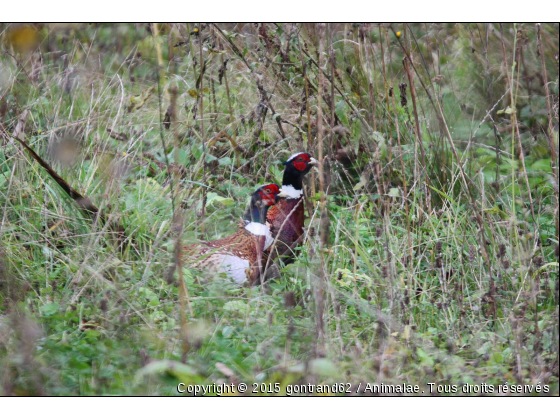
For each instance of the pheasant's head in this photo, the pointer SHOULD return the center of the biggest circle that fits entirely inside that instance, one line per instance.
(261, 200)
(296, 167)
(301, 162)
(268, 194)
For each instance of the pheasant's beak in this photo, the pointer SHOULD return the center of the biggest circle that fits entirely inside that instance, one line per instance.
(314, 163)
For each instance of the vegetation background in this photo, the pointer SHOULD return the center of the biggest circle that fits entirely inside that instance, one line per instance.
(431, 253)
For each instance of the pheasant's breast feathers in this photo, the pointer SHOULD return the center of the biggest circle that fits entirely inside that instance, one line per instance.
(287, 231)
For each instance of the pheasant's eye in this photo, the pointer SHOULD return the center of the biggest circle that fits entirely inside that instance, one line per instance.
(271, 189)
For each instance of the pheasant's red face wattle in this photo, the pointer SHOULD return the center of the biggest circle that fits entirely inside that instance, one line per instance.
(301, 161)
(269, 200)
(268, 194)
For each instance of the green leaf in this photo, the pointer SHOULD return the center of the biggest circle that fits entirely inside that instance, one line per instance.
(360, 184)
(235, 305)
(394, 192)
(541, 165)
(340, 109)
(227, 331)
(50, 309)
(424, 356)
(497, 357)
(323, 367)
(214, 199)
(225, 161)
(508, 111)
(210, 158)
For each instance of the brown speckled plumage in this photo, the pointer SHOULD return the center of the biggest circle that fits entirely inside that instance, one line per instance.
(239, 256)
(243, 244)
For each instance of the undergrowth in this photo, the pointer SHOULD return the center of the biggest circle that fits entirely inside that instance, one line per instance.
(431, 251)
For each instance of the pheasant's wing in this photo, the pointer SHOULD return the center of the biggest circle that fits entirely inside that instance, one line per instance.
(229, 255)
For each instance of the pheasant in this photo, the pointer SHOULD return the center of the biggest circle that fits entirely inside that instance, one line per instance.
(286, 218)
(239, 256)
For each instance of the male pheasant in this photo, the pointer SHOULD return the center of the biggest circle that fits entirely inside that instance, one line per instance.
(286, 218)
(239, 256)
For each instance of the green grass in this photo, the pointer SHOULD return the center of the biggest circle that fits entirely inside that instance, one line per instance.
(407, 292)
